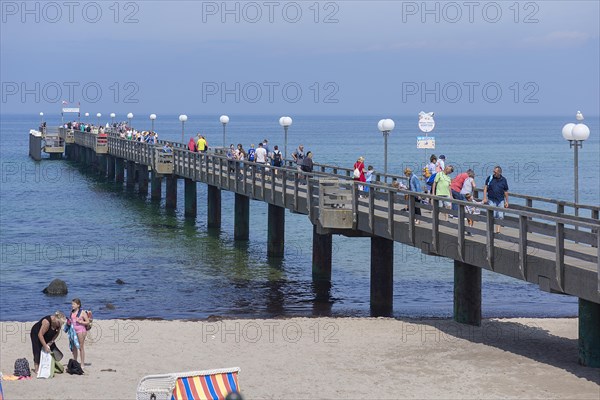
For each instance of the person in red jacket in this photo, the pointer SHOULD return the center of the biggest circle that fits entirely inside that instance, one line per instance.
(457, 184)
(192, 144)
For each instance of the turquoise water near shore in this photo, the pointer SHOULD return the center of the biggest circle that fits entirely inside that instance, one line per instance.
(58, 221)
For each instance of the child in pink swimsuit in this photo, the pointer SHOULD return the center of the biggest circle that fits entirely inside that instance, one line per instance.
(80, 320)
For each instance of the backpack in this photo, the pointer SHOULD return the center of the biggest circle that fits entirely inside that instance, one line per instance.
(74, 368)
(426, 172)
(22, 367)
(251, 155)
(431, 179)
(90, 318)
(277, 158)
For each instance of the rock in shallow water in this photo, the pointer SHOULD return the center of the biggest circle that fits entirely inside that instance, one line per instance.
(56, 288)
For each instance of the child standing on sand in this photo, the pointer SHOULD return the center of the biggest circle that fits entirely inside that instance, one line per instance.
(80, 321)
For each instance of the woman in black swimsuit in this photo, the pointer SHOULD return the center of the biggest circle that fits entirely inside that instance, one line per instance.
(44, 333)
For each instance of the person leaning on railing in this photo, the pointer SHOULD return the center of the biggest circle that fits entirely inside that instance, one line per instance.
(414, 186)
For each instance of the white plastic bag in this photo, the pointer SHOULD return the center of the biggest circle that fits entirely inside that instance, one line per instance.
(45, 367)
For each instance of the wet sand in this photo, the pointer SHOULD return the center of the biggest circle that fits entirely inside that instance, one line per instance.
(307, 358)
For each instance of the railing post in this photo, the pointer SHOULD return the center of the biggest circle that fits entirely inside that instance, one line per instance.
(560, 254)
(461, 233)
(489, 234)
(295, 191)
(390, 227)
(283, 186)
(435, 225)
(523, 233)
(371, 210)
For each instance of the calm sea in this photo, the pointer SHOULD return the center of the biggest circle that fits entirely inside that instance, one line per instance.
(58, 221)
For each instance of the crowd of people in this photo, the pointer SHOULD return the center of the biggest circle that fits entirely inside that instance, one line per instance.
(438, 181)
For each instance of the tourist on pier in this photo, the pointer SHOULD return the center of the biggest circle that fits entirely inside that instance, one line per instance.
(201, 144)
(368, 177)
(298, 157)
(307, 164)
(440, 165)
(430, 171)
(495, 192)
(43, 335)
(359, 172)
(168, 148)
(151, 138)
(415, 186)
(471, 210)
(277, 157)
(79, 319)
(457, 184)
(441, 187)
(469, 184)
(265, 144)
(231, 157)
(252, 153)
(192, 145)
(240, 153)
(261, 154)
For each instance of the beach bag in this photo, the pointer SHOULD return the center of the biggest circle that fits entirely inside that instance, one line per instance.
(57, 367)
(45, 370)
(356, 173)
(74, 368)
(22, 367)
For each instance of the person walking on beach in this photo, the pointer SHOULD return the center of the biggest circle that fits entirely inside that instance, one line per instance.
(80, 321)
(495, 192)
(441, 187)
(43, 335)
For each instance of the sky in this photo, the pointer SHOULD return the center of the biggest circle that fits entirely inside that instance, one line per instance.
(303, 57)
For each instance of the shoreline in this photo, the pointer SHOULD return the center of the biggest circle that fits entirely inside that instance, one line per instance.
(324, 357)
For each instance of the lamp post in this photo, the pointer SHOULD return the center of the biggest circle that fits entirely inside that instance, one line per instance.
(576, 134)
(152, 118)
(182, 118)
(286, 122)
(86, 117)
(98, 115)
(41, 118)
(112, 117)
(224, 120)
(385, 127)
(130, 117)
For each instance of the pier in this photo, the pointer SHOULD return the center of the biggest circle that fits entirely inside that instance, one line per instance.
(556, 250)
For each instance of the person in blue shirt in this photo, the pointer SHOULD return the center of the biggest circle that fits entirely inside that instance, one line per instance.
(495, 192)
(414, 186)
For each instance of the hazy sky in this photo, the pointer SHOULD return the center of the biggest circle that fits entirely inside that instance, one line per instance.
(304, 57)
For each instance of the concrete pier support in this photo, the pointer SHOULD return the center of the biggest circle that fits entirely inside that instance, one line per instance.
(119, 170)
(382, 276)
(214, 207)
(589, 334)
(171, 191)
(321, 256)
(101, 165)
(276, 231)
(130, 182)
(241, 228)
(467, 294)
(143, 179)
(110, 167)
(190, 198)
(155, 186)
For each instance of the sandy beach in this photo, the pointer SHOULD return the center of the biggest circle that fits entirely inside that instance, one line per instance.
(307, 358)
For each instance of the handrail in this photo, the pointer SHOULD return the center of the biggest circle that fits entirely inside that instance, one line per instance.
(379, 177)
